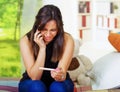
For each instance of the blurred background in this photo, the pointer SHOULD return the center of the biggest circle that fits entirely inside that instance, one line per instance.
(88, 20)
(10, 17)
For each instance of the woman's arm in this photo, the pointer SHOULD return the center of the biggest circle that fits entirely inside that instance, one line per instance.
(67, 54)
(32, 65)
(59, 74)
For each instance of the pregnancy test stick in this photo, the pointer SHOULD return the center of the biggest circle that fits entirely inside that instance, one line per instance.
(48, 69)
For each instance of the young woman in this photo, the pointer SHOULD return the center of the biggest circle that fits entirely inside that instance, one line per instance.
(46, 45)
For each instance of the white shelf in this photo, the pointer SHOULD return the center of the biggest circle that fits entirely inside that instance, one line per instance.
(81, 14)
(84, 28)
(106, 28)
(84, 0)
(84, 19)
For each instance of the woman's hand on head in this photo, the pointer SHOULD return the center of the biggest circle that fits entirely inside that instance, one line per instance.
(58, 74)
(38, 38)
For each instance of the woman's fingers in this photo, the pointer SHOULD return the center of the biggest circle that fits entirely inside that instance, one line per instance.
(37, 35)
(58, 74)
(38, 38)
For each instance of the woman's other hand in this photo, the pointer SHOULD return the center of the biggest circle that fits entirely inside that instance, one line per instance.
(58, 74)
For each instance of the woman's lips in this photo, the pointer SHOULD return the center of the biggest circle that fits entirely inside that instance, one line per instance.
(47, 38)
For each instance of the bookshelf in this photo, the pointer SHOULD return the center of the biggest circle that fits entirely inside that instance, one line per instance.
(98, 18)
(109, 18)
(84, 17)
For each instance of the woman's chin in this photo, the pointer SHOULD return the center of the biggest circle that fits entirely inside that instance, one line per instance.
(47, 42)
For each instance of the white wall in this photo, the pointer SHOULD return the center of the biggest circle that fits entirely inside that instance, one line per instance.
(29, 11)
(69, 12)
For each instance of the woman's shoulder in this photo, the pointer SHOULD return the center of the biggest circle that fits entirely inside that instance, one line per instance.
(26, 37)
(24, 40)
(68, 37)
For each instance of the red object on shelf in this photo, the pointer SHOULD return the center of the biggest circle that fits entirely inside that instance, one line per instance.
(83, 21)
(115, 22)
(88, 6)
(81, 34)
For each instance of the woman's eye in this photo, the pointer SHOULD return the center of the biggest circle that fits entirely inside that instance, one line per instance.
(53, 30)
(43, 30)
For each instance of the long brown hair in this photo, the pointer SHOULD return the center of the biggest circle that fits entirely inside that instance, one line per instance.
(45, 14)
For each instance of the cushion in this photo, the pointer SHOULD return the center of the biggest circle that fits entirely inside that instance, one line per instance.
(9, 84)
(105, 73)
(8, 89)
(114, 39)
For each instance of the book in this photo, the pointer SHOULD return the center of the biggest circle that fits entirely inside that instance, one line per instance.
(83, 21)
(87, 7)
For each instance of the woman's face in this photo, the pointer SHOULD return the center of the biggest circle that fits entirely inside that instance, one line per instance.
(50, 31)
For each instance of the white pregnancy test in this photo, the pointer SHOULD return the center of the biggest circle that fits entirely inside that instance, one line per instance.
(48, 69)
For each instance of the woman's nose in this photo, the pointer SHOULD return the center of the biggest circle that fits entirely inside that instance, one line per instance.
(47, 33)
